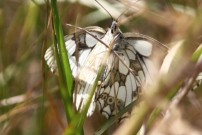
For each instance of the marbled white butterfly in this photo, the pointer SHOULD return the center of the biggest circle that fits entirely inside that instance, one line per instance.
(124, 74)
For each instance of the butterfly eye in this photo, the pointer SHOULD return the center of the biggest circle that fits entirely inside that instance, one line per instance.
(115, 27)
(112, 31)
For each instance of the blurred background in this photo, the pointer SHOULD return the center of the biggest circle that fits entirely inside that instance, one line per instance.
(30, 102)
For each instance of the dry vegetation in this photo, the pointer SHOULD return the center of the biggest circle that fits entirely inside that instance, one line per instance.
(30, 102)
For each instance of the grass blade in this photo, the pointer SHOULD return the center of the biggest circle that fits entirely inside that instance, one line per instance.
(65, 73)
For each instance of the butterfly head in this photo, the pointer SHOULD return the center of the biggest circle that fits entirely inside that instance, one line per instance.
(118, 36)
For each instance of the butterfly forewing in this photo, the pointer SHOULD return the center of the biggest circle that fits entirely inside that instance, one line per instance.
(80, 41)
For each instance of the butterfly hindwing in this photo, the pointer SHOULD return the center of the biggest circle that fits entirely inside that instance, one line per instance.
(123, 79)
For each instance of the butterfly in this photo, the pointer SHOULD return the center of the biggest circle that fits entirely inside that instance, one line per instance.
(126, 70)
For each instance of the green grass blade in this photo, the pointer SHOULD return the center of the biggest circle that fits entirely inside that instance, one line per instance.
(65, 73)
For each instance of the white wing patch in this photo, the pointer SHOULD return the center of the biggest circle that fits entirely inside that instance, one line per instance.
(141, 46)
(122, 68)
(70, 46)
(90, 40)
(130, 85)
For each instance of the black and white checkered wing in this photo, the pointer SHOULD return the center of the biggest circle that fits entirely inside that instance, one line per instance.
(125, 74)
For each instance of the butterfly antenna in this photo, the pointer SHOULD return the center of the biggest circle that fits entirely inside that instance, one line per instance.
(124, 11)
(105, 9)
